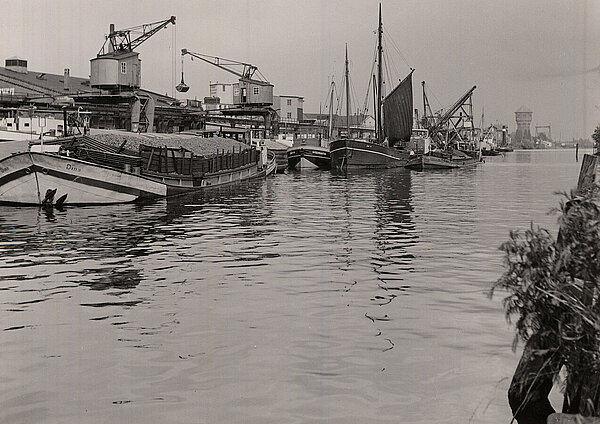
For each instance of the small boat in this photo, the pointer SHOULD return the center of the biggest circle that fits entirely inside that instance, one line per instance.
(83, 171)
(394, 117)
(280, 152)
(451, 136)
(317, 155)
(490, 152)
(317, 152)
(489, 143)
(442, 159)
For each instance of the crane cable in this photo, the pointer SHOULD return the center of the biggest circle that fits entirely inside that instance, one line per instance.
(173, 59)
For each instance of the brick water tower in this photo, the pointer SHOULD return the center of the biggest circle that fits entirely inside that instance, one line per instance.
(523, 117)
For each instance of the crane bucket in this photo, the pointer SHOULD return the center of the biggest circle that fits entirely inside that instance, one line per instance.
(182, 87)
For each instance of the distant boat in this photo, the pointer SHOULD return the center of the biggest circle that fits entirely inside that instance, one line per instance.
(452, 145)
(317, 155)
(441, 159)
(347, 152)
(490, 152)
(83, 171)
(504, 144)
(489, 144)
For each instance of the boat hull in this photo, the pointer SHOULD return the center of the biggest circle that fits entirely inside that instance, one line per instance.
(424, 162)
(364, 154)
(35, 178)
(318, 156)
(25, 179)
(490, 152)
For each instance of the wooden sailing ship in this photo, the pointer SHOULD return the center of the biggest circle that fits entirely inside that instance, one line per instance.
(393, 125)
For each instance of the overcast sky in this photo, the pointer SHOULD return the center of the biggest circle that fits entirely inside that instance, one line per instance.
(544, 54)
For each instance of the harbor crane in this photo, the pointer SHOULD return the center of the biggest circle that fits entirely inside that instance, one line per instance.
(453, 126)
(543, 127)
(252, 94)
(116, 71)
(120, 41)
(251, 90)
(246, 72)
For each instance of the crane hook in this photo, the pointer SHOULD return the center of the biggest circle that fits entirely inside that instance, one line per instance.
(182, 87)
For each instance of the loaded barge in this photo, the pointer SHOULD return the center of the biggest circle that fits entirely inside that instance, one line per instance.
(87, 171)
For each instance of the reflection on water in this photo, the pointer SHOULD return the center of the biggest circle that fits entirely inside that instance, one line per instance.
(308, 297)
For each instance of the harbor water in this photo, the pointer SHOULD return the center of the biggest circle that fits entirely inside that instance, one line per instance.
(304, 298)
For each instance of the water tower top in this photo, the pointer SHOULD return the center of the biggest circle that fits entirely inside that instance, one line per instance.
(524, 109)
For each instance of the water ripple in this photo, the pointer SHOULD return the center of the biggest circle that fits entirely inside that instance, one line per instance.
(308, 297)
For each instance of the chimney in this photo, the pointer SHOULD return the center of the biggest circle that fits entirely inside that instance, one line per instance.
(111, 31)
(67, 82)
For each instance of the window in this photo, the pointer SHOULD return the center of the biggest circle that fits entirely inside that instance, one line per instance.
(236, 91)
(26, 124)
(223, 88)
(16, 62)
(289, 102)
(289, 115)
(256, 91)
(123, 67)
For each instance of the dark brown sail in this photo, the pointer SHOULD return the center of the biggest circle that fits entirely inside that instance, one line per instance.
(398, 112)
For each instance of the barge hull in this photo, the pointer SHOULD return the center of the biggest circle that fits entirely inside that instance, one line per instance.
(363, 154)
(25, 178)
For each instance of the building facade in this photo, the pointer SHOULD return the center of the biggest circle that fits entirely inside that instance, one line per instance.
(224, 91)
(289, 108)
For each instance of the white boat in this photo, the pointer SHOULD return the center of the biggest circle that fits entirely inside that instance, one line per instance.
(105, 177)
(32, 178)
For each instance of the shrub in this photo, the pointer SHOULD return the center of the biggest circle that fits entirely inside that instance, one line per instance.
(552, 285)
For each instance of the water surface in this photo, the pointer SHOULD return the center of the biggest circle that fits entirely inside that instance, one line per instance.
(305, 298)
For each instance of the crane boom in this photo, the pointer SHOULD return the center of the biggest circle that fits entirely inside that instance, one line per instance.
(446, 116)
(121, 40)
(247, 71)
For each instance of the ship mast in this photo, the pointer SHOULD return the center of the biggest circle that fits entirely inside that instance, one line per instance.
(379, 82)
(330, 130)
(347, 97)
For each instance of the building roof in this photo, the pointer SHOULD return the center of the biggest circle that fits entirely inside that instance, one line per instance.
(319, 116)
(37, 84)
(293, 97)
(524, 109)
(43, 83)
